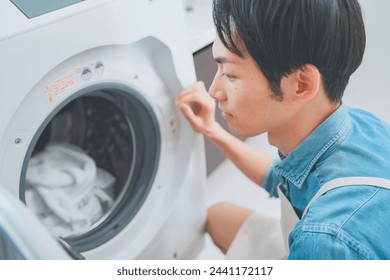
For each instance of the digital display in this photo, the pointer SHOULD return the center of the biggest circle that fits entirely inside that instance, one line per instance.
(36, 8)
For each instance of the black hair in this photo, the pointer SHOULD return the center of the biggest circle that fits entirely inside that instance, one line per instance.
(285, 35)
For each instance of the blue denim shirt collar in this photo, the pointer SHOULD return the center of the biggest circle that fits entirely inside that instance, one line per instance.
(297, 165)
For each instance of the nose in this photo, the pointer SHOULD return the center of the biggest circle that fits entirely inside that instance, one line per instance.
(216, 89)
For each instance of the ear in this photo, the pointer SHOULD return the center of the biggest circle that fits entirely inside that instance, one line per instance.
(307, 81)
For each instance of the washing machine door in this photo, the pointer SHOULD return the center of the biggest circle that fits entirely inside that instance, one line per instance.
(91, 164)
(22, 236)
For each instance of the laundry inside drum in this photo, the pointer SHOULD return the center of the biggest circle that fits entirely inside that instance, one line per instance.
(80, 166)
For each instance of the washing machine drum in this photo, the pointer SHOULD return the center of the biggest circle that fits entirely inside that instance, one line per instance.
(91, 165)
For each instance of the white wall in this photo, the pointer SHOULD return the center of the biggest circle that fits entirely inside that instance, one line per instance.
(369, 86)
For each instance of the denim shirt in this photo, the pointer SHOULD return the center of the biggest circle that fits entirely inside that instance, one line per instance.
(351, 222)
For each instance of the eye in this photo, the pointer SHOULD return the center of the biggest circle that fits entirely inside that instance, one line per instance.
(229, 77)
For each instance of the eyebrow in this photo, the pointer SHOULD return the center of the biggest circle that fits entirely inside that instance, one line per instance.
(223, 59)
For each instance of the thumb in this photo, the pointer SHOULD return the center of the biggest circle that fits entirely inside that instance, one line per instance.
(191, 117)
(187, 111)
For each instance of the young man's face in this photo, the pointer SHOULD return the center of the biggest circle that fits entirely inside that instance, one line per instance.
(244, 96)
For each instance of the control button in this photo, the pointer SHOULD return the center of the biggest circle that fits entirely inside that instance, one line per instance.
(173, 124)
(99, 68)
(86, 74)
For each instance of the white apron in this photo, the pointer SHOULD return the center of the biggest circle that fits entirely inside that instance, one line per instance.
(262, 237)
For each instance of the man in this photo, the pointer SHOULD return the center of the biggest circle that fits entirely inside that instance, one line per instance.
(283, 66)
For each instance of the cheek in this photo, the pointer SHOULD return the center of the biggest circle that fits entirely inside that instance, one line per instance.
(256, 112)
(245, 109)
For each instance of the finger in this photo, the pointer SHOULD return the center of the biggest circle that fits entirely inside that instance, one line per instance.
(195, 95)
(187, 112)
(191, 117)
(183, 96)
(193, 88)
(196, 107)
(200, 86)
(197, 88)
(187, 99)
(191, 92)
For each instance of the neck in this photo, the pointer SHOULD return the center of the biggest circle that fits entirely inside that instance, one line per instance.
(301, 124)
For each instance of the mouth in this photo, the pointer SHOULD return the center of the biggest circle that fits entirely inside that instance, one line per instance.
(224, 111)
(226, 114)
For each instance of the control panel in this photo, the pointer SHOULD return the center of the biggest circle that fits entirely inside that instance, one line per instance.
(62, 84)
(36, 8)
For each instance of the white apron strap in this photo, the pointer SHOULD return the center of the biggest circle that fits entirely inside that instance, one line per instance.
(288, 218)
(348, 181)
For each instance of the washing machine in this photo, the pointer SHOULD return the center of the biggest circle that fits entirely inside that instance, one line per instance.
(100, 77)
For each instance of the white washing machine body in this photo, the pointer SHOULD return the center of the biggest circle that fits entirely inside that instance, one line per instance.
(115, 55)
